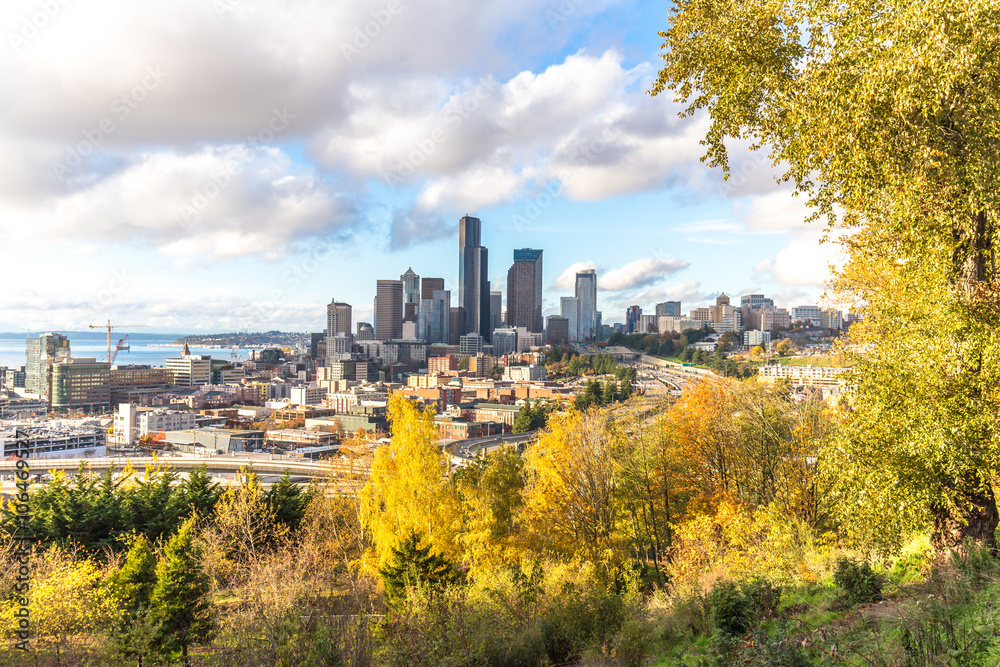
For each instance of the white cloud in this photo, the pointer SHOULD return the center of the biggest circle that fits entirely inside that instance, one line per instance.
(227, 201)
(640, 273)
(566, 282)
(803, 262)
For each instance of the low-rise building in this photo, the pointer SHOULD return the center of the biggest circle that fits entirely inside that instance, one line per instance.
(56, 441)
(529, 373)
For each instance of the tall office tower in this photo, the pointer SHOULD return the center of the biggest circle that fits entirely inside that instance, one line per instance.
(411, 286)
(430, 285)
(473, 278)
(338, 318)
(586, 292)
(41, 353)
(496, 310)
(569, 307)
(434, 322)
(389, 310)
(557, 329)
(456, 324)
(524, 290)
(633, 315)
(668, 309)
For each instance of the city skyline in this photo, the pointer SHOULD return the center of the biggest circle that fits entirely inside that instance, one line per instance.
(191, 207)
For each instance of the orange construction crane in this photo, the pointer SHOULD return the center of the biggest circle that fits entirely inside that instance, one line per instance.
(109, 327)
(122, 345)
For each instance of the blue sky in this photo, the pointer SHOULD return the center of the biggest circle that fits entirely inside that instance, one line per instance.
(207, 165)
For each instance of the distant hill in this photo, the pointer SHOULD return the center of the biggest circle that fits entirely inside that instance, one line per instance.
(251, 339)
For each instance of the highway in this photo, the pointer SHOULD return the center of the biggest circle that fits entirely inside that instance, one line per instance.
(466, 450)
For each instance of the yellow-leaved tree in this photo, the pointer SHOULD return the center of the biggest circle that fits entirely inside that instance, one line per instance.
(410, 489)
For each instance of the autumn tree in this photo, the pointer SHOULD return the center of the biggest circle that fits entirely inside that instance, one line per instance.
(492, 504)
(885, 117)
(410, 487)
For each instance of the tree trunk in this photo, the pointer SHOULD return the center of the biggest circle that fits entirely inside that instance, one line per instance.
(184, 653)
(975, 519)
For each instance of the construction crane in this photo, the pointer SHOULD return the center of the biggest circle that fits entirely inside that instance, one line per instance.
(235, 354)
(119, 347)
(109, 327)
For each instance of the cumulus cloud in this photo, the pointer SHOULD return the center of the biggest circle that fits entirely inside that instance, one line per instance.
(410, 229)
(227, 201)
(803, 262)
(566, 282)
(640, 273)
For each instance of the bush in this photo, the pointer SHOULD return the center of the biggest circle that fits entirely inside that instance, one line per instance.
(736, 609)
(857, 580)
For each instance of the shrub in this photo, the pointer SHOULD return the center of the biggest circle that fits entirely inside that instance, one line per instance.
(736, 609)
(857, 580)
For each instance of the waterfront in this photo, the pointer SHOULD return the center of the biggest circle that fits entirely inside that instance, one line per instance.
(145, 348)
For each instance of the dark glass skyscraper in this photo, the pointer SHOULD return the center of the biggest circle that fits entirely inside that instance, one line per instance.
(473, 278)
(524, 290)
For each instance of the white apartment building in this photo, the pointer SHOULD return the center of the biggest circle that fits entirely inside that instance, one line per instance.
(524, 373)
(307, 395)
(802, 376)
(132, 422)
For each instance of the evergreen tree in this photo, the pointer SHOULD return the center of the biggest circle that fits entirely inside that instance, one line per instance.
(130, 590)
(180, 604)
(523, 421)
(198, 493)
(288, 501)
(411, 565)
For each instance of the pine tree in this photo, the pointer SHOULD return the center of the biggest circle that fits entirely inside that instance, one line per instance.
(131, 589)
(198, 493)
(411, 565)
(288, 501)
(180, 603)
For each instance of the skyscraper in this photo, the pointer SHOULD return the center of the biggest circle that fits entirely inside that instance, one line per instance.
(473, 278)
(41, 353)
(586, 293)
(668, 309)
(434, 322)
(496, 310)
(430, 285)
(389, 310)
(524, 290)
(411, 286)
(633, 315)
(338, 318)
(569, 307)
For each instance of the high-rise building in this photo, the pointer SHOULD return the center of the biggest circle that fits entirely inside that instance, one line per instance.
(496, 311)
(632, 318)
(41, 353)
(471, 344)
(338, 318)
(456, 324)
(556, 329)
(389, 310)
(80, 384)
(569, 307)
(586, 293)
(191, 370)
(433, 324)
(668, 309)
(504, 341)
(366, 331)
(473, 277)
(524, 290)
(430, 285)
(411, 286)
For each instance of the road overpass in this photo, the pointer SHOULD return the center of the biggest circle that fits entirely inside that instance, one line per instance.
(345, 475)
